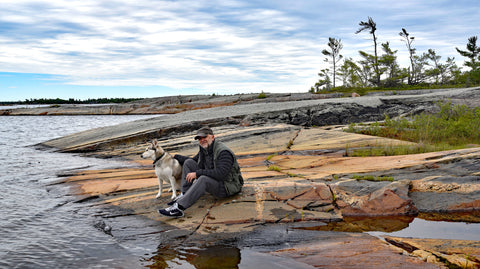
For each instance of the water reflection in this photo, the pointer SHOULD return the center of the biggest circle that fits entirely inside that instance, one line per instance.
(468, 217)
(362, 224)
(218, 256)
(255, 250)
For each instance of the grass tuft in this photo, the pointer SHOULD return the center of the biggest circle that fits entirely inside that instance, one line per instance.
(274, 168)
(372, 178)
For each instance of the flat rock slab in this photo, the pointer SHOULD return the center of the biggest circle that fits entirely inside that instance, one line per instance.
(293, 175)
(347, 250)
(461, 253)
(318, 112)
(309, 186)
(275, 171)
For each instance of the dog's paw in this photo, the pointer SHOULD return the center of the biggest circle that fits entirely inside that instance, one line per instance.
(158, 195)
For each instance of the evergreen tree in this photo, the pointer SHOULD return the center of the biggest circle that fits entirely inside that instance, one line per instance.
(372, 27)
(441, 72)
(472, 53)
(323, 83)
(420, 62)
(349, 72)
(368, 74)
(411, 51)
(389, 61)
(334, 53)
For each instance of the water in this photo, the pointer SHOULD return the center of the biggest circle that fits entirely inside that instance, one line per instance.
(420, 228)
(40, 226)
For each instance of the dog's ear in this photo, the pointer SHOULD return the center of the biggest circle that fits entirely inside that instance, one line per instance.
(154, 142)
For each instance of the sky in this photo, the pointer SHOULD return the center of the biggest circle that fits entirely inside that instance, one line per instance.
(85, 49)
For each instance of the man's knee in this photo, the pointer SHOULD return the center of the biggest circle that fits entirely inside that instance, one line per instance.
(190, 165)
(204, 181)
(189, 162)
(209, 185)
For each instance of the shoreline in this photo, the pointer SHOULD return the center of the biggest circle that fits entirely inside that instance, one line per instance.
(182, 103)
(311, 186)
(298, 195)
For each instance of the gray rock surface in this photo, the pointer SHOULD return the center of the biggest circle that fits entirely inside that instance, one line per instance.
(318, 112)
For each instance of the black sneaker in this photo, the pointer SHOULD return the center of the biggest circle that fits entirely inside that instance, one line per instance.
(172, 211)
(175, 199)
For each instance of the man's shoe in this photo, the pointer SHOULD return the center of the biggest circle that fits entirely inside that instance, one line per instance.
(175, 199)
(172, 211)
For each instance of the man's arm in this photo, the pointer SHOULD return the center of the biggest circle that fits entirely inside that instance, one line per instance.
(181, 159)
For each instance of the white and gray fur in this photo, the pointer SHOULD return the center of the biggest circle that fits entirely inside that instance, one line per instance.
(167, 168)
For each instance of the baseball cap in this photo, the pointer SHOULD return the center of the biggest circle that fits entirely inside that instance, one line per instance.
(204, 131)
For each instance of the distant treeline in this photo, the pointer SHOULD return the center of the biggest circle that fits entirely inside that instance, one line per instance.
(72, 101)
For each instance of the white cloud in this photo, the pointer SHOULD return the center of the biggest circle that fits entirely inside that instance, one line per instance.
(218, 45)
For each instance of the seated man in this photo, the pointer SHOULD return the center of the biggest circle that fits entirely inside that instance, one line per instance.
(214, 170)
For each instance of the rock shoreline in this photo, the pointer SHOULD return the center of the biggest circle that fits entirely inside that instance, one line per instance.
(296, 176)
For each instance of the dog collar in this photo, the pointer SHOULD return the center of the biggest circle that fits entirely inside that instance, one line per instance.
(158, 158)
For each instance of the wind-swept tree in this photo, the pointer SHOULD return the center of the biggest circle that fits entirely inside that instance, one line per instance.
(472, 53)
(324, 82)
(411, 51)
(372, 27)
(334, 54)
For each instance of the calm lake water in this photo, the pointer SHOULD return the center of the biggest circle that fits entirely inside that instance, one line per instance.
(41, 226)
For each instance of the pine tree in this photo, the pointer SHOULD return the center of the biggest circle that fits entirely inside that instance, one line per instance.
(334, 53)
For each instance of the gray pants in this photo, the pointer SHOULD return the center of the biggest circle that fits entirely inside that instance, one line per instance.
(192, 191)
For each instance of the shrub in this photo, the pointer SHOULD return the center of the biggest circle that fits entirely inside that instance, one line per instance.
(453, 127)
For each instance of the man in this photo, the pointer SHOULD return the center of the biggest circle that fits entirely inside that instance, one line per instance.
(214, 170)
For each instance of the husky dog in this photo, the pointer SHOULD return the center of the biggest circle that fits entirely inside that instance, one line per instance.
(167, 168)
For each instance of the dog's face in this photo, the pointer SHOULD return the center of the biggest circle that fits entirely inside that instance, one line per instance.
(152, 151)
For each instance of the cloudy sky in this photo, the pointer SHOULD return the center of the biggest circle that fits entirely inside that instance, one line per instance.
(147, 48)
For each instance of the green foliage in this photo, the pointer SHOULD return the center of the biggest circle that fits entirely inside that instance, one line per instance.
(392, 150)
(269, 157)
(262, 95)
(454, 126)
(274, 168)
(333, 55)
(382, 72)
(294, 175)
(472, 53)
(290, 144)
(324, 83)
(372, 178)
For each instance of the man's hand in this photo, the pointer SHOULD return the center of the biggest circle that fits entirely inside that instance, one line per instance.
(191, 176)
